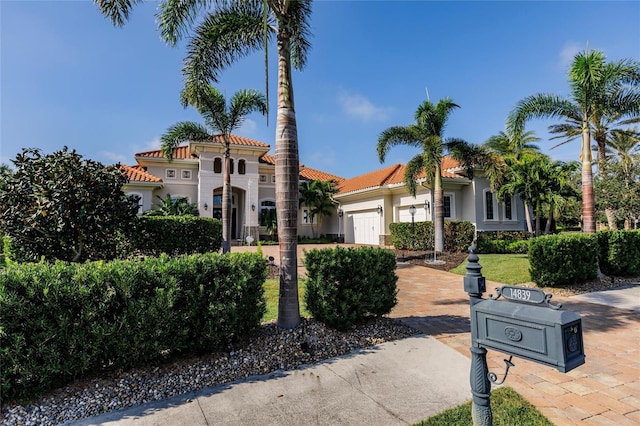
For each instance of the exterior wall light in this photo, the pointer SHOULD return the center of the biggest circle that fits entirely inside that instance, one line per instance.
(206, 206)
(379, 209)
(253, 207)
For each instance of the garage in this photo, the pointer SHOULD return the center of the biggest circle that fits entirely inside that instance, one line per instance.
(365, 227)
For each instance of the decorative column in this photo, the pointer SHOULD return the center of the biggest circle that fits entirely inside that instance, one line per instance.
(474, 284)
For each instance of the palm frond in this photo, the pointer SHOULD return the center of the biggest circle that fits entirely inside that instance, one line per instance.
(299, 12)
(396, 135)
(540, 106)
(116, 10)
(414, 167)
(221, 39)
(180, 132)
(176, 17)
(243, 103)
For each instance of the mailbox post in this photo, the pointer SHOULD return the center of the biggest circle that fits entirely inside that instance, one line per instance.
(525, 325)
(474, 284)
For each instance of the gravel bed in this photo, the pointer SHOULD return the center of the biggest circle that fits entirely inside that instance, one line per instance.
(271, 350)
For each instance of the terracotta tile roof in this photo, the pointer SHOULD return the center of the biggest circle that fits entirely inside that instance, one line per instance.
(313, 174)
(268, 159)
(137, 174)
(373, 179)
(179, 153)
(182, 152)
(392, 175)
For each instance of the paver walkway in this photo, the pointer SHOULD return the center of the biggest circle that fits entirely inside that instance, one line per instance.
(603, 391)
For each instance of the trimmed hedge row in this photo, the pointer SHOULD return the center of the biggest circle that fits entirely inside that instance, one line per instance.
(62, 321)
(175, 235)
(347, 286)
(619, 252)
(503, 242)
(574, 258)
(458, 235)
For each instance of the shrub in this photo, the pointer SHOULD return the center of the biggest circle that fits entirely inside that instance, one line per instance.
(176, 235)
(61, 206)
(347, 286)
(458, 235)
(564, 259)
(71, 319)
(503, 242)
(619, 252)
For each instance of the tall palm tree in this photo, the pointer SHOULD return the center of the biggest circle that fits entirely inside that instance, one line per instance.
(427, 134)
(597, 95)
(223, 118)
(231, 30)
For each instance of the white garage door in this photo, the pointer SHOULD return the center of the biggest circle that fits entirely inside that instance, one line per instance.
(405, 216)
(366, 228)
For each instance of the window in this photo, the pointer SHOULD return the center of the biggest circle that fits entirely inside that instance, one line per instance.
(263, 178)
(489, 206)
(509, 208)
(447, 206)
(186, 174)
(170, 173)
(267, 213)
(273, 178)
(138, 196)
(217, 165)
(242, 167)
(231, 166)
(306, 218)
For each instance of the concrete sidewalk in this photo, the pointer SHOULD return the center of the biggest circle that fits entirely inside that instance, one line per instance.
(395, 383)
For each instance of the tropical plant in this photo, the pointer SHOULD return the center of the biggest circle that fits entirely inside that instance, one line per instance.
(508, 148)
(168, 206)
(230, 31)
(220, 117)
(61, 206)
(599, 99)
(618, 182)
(427, 135)
(317, 196)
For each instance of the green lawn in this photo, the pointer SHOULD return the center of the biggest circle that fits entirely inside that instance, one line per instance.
(502, 268)
(271, 289)
(507, 407)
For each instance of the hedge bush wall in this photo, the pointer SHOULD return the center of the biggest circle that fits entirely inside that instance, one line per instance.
(60, 321)
(502, 242)
(458, 235)
(619, 252)
(347, 286)
(175, 235)
(563, 259)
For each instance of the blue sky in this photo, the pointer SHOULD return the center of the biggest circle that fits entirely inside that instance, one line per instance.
(68, 77)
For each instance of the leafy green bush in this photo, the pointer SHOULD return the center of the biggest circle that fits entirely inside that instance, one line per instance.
(619, 252)
(176, 235)
(63, 207)
(5, 253)
(503, 242)
(563, 259)
(458, 235)
(67, 320)
(346, 286)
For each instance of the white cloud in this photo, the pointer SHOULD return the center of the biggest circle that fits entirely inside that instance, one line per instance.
(248, 128)
(362, 108)
(568, 52)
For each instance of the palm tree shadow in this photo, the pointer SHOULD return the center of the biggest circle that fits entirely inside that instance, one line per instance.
(437, 325)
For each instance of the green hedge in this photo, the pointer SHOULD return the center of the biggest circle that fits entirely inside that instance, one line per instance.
(458, 235)
(619, 252)
(564, 259)
(175, 235)
(346, 286)
(503, 242)
(61, 321)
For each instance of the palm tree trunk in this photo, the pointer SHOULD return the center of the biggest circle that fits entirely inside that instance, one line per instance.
(588, 203)
(537, 213)
(438, 220)
(287, 177)
(602, 158)
(547, 227)
(226, 200)
(527, 215)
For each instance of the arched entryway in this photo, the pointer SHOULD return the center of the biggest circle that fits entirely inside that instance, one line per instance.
(237, 209)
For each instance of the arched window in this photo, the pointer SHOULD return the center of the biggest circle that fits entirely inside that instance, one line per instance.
(489, 206)
(217, 165)
(242, 167)
(230, 165)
